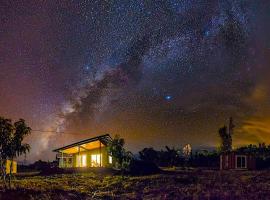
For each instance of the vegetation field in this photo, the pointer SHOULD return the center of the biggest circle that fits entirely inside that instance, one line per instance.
(174, 184)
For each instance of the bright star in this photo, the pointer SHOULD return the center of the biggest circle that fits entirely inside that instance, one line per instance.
(207, 33)
(87, 67)
(168, 97)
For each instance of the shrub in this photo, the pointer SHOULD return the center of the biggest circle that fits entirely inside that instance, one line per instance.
(139, 167)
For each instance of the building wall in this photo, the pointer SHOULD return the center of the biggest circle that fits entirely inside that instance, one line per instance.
(251, 162)
(228, 161)
(104, 157)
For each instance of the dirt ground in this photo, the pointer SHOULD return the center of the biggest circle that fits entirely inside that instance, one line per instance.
(173, 184)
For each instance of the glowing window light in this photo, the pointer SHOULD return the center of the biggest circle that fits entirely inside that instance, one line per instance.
(84, 163)
(110, 159)
(96, 160)
(81, 161)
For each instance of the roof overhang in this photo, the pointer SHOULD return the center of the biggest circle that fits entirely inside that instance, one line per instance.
(85, 145)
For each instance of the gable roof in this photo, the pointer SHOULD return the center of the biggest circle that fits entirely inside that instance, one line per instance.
(104, 139)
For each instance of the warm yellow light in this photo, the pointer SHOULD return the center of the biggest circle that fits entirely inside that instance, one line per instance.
(81, 161)
(96, 160)
(110, 159)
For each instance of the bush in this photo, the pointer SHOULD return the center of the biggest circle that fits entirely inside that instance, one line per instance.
(139, 167)
(262, 163)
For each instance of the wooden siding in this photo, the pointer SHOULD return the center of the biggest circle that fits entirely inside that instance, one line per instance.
(228, 161)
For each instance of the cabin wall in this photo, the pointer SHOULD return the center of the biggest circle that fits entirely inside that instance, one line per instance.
(228, 161)
(104, 156)
(251, 162)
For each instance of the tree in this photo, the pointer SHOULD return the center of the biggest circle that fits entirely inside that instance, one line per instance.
(225, 144)
(120, 155)
(226, 136)
(6, 128)
(205, 158)
(149, 154)
(128, 157)
(11, 143)
(187, 151)
(172, 155)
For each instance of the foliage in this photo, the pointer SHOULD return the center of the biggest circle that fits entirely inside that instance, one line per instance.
(226, 136)
(142, 167)
(204, 158)
(260, 152)
(121, 157)
(168, 158)
(175, 157)
(172, 155)
(149, 154)
(226, 139)
(128, 157)
(6, 128)
(11, 146)
(187, 151)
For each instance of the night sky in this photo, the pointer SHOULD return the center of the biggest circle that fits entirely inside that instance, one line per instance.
(155, 72)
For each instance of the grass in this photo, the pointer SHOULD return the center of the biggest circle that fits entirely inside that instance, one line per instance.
(176, 184)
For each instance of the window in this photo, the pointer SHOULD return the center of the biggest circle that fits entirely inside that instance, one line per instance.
(84, 161)
(110, 159)
(81, 161)
(96, 160)
(241, 162)
(70, 161)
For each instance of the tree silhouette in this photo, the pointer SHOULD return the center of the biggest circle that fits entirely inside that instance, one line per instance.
(6, 128)
(118, 152)
(226, 136)
(11, 146)
(16, 147)
(149, 154)
(172, 156)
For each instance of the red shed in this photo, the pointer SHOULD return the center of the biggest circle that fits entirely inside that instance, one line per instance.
(239, 161)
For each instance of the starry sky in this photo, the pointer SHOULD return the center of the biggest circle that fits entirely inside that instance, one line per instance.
(155, 72)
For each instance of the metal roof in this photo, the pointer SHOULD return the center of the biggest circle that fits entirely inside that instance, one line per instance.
(104, 139)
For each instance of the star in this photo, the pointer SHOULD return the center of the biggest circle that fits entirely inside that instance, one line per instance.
(87, 67)
(168, 97)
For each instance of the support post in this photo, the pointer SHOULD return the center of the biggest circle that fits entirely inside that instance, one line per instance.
(62, 160)
(100, 153)
(80, 159)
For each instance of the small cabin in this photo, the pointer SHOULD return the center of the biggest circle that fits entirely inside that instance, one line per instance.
(91, 152)
(237, 161)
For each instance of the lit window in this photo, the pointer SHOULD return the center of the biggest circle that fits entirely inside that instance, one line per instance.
(96, 160)
(84, 161)
(110, 159)
(81, 161)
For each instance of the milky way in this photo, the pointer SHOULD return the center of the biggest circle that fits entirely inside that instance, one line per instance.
(156, 72)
